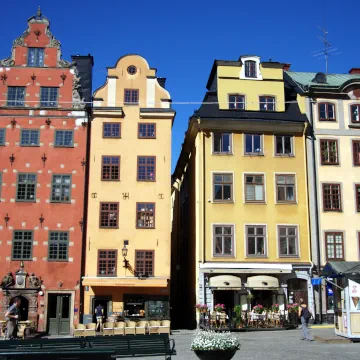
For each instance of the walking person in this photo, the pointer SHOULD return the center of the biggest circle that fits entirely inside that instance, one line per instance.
(99, 313)
(12, 318)
(305, 316)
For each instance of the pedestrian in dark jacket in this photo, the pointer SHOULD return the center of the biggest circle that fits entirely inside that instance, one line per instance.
(12, 317)
(305, 316)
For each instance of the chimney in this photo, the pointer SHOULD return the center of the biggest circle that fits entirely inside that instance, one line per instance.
(286, 67)
(354, 71)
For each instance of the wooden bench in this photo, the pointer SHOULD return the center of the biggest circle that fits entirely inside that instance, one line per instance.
(136, 345)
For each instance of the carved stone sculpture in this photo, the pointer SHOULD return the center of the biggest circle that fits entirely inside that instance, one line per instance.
(7, 280)
(34, 281)
(78, 102)
(7, 62)
(20, 39)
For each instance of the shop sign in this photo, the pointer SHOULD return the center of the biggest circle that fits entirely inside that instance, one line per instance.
(354, 292)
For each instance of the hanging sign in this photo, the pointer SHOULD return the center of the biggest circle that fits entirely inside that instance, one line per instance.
(354, 293)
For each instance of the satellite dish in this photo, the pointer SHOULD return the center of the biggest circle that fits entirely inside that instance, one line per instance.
(320, 78)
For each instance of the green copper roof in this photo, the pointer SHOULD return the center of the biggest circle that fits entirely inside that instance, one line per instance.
(332, 80)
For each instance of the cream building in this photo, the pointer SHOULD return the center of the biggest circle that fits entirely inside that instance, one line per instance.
(332, 104)
(128, 232)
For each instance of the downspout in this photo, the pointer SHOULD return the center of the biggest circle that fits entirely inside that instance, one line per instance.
(204, 217)
(316, 204)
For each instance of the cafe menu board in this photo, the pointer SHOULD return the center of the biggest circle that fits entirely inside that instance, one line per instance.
(158, 309)
(354, 293)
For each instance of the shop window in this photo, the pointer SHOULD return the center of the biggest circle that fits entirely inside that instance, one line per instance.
(109, 215)
(331, 197)
(58, 245)
(327, 112)
(254, 188)
(267, 103)
(334, 245)
(2, 137)
(222, 143)
(285, 188)
(26, 187)
(146, 168)
(36, 57)
(29, 137)
(329, 152)
(22, 245)
(61, 188)
(144, 262)
(223, 240)
(255, 240)
(237, 102)
(131, 97)
(284, 145)
(16, 96)
(110, 168)
(330, 298)
(355, 113)
(356, 152)
(223, 187)
(64, 138)
(107, 262)
(253, 144)
(145, 215)
(288, 241)
(112, 130)
(134, 305)
(49, 96)
(147, 131)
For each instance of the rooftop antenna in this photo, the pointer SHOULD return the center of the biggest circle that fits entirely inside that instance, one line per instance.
(328, 50)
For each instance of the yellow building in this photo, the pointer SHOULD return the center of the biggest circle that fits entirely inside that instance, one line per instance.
(240, 206)
(332, 104)
(128, 233)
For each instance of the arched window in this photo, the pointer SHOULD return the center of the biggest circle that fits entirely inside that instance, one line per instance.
(250, 68)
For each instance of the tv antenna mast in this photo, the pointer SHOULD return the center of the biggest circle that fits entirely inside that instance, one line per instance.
(326, 51)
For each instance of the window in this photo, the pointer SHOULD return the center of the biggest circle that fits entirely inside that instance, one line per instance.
(250, 68)
(58, 245)
(132, 70)
(109, 215)
(2, 137)
(334, 246)
(237, 102)
(254, 188)
(331, 197)
(107, 262)
(285, 188)
(327, 112)
(355, 113)
(110, 170)
(283, 145)
(357, 196)
(267, 103)
(49, 97)
(222, 143)
(131, 97)
(35, 57)
(329, 152)
(16, 96)
(288, 241)
(147, 131)
(29, 137)
(26, 187)
(22, 245)
(223, 240)
(253, 144)
(64, 138)
(146, 168)
(144, 262)
(145, 215)
(223, 187)
(60, 191)
(356, 152)
(255, 240)
(111, 130)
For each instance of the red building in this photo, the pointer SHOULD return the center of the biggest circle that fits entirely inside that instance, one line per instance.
(43, 142)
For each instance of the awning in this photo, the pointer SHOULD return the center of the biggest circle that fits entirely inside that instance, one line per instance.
(125, 282)
(339, 268)
(246, 268)
(225, 282)
(262, 282)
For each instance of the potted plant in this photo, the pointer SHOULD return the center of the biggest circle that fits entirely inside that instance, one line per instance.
(238, 319)
(211, 345)
(293, 310)
(258, 309)
(275, 308)
(219, 307)
(201, 308)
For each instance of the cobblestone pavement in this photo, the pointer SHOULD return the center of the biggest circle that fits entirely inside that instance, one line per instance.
(274, 345)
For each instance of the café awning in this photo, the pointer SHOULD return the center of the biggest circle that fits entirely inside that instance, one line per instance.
(225, 282)
(262, 282)
(341, 268)
(125, 282)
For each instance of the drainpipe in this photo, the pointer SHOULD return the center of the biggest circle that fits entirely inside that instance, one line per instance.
(204, 222)
(316, 204)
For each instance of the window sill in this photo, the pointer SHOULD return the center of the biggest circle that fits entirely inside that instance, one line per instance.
(150, 181)
(223, 202)
(330, 164)
(108, 227)
(354, 126)
(286, 203)
(64, 146)
(102, 276)
(332, 211)
(284, 155)
(223, 256)
(12, 259)
(111, 180)
(25, 201)
(146, 138)
(253, 154)
(111, 137)
(131, 104)
(53, 261)
(222, 153)
(145, 228)
(289, 257)
(328, 120)
(256, 257)
(29, 145)
(59, 202)
(255, 202)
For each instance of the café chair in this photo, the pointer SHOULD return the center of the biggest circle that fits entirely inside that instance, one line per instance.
(79, 330)
(119, 328)
(90, 329)
(130, 328)
(108, 328)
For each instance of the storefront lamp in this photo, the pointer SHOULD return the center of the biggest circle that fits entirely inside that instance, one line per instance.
(124, 254)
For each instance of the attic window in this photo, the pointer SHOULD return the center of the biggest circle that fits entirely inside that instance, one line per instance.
(250, 69)
(132, 70)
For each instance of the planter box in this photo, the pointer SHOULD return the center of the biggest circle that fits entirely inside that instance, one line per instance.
(215, 354)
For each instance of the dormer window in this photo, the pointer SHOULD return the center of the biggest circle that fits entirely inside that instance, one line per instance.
(250, 69)
(327, 112)
(267, 103)
(35, 57)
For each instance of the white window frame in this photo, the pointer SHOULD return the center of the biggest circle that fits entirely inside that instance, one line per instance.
(258, 71)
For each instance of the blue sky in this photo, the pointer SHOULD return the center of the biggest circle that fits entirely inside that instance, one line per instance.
(181, 39)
